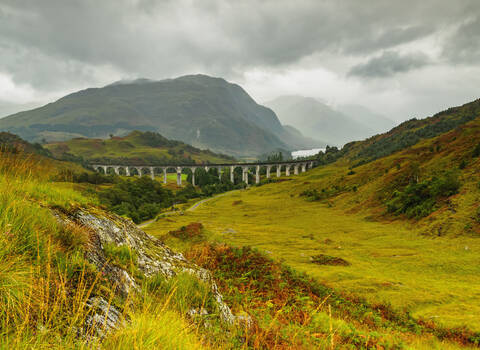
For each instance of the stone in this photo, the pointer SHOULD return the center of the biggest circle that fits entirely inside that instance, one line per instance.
(153, 257)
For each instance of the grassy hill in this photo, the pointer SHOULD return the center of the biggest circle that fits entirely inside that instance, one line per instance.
(375, 254)
(399, 231)
(202, 111)
(48, 280)
(135, 148)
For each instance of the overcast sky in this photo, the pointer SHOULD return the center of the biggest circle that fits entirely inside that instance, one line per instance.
(401, 58)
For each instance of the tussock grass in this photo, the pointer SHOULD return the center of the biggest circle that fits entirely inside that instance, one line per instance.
(45, 281)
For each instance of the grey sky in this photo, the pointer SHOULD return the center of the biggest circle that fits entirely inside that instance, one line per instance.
(401, 58)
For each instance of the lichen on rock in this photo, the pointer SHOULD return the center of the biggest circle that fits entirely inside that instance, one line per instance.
(152, 256)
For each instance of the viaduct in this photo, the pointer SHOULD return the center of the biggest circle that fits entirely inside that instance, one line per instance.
(297, 166)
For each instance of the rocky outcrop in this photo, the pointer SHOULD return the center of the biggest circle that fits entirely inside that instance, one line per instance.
(152, 257)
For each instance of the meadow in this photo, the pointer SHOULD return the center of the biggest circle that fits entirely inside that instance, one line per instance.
(390, 262)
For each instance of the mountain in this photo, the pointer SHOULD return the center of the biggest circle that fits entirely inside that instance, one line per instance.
(362, 114)
(203, 111)
(319, 121)
(294, 137)
(135, 148)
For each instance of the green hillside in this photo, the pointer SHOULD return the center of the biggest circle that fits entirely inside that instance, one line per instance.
(206, 112)
(400, 231)
(375, 251)
(135, 148)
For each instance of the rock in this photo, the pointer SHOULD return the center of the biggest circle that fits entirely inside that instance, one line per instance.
(102, 318)
(153, 256)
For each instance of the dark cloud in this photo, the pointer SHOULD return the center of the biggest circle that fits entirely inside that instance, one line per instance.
(389, 64)
(463, 46)
(58, 45)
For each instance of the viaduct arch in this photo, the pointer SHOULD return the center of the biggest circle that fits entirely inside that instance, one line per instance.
(296, 166)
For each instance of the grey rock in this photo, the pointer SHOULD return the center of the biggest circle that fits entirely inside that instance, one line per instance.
(153, 256)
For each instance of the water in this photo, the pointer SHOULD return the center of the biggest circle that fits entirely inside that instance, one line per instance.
(306, 152)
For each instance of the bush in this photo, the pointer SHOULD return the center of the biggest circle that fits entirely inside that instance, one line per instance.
(140, 199)
(476, 151)
(311, 195)
(418, 200)
(477, 215)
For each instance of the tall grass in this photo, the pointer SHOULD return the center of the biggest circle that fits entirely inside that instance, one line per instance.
(38, 306)
(45, 281)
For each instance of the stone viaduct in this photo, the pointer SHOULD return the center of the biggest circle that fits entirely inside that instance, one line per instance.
(297, 166)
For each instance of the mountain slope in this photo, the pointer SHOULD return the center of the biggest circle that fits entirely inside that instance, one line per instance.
(401, 229)
(317, 120)
(203, 111)
(135, 148)
(361, 114)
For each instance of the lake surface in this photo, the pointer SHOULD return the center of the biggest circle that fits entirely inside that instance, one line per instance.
(306, 152)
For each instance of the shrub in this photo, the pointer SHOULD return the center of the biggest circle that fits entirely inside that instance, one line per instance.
(311, 195)
(140, 199)
(477, 215)
(418, 200)
(476, 151)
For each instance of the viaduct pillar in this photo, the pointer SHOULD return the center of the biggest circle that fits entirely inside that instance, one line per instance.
(193, 175)
(164, 175)
(295, 169)
(127, 171)
(151, 173)
(232, 169)
(269, 167)
(245, 174)
(279, 170)
(287, 170)
(179, 176)
(257, 174)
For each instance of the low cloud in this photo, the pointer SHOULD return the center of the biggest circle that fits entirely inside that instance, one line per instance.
(389, 64)
(54, 47)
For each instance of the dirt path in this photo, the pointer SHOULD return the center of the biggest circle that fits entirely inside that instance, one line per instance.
(192, 208)
(196, 205)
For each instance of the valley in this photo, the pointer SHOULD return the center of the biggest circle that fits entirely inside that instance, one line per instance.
(240, 175)
(390, 263)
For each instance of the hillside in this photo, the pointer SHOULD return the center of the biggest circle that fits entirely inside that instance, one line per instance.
(319, 121)
(400, 231)
(135, 148)
(206, 112)
(361, 114)
(410, 132)
(73, 275)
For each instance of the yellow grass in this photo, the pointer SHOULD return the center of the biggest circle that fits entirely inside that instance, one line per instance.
(436, 278)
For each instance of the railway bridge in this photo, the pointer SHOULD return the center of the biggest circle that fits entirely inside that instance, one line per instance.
(297, 166)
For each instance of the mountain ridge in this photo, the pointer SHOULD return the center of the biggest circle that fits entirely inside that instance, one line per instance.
(318, 120)
(203, 111)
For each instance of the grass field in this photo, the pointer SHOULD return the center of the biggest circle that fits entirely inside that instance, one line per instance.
(435, 278)
(133, 147)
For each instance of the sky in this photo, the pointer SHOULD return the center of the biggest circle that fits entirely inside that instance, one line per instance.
(403, 59)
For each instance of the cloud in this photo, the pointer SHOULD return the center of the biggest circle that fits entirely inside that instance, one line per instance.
(57, 46)
(463, 46)
(388, 64)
